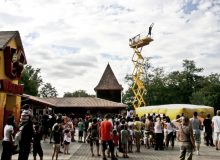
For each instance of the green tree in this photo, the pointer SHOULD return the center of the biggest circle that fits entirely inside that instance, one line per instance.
(127, 98)
(31, 80)
(48, 91)
(190, 79)
(174, 87)
(174, 90)
(156, 88)
(78, 93)
(209, 94)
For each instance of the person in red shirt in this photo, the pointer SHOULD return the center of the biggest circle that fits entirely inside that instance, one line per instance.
(106, 128)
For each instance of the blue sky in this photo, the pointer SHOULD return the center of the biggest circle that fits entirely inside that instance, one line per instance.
(72, 41)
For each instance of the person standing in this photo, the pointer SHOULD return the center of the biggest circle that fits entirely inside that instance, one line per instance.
(216, 126)
(169, 129)
(158, 130)
(186, 139)
(85, 130)
(130, 140)
(137, 133)
(124, 140)
(106, 128)
(149, 130)
(26, 139)
(196, 126)
(150, 29)
(80, 130)
(8, 139)
(37, 149)
(56, 140)
(94, 136)
(66, 141)
(208, 130)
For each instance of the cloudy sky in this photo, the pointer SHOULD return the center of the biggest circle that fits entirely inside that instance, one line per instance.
(72, 41)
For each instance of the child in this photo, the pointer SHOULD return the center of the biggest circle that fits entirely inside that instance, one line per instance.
(115, 138)
(80, 128)
(146, 139)
(57, 140)
(124, 140)
(37, 149)
(67, 140)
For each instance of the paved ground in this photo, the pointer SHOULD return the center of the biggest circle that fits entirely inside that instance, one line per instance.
(81, 151)
(207, 153)
(48, 151)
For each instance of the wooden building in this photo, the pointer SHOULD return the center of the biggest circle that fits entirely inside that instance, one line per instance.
(12, 59)
(107, 100)
(108, 86)
(83, 105)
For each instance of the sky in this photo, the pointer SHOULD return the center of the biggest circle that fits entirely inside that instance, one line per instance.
(72, 41)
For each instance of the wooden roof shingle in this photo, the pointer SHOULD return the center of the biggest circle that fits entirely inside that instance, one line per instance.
(83, 102)
(108, 81)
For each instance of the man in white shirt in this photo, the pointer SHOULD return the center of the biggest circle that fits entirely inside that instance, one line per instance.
(216, 126)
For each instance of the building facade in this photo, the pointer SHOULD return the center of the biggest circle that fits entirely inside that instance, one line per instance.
(12, 60)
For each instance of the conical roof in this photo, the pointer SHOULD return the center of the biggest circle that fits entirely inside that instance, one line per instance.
(108, 81)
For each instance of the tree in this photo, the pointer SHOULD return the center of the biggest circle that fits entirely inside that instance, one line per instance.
(31, 80)
(78, 93)
(191, 79)
(127, 98)
(174, 90)
(174, 87)
(209, 94)
(48, 91)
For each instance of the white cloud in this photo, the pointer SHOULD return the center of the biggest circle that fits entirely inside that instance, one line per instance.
(73, 40)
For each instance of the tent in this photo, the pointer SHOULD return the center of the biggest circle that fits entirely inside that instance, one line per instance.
(172, 110)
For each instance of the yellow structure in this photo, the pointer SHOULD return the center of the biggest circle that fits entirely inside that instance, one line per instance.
(137, 43)
(12, 59)
(172, 110)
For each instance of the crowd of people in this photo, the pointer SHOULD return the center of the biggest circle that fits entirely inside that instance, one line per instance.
(110, 133)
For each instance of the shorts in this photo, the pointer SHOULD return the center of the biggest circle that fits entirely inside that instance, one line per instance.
(148, 134)
(110, 144)
(94, 140)
(80, 133)
(197, 138)
(56, 147)
(37, 150)
(66, 143)
(137, 134)
(216, 136)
